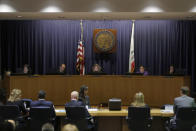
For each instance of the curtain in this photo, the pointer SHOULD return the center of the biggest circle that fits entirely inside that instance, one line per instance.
(45, 44)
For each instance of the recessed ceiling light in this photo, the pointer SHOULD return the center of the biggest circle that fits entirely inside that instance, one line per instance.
(152, 9)
(193, 9)
(51, 9)
(6, 8)
(102, 9)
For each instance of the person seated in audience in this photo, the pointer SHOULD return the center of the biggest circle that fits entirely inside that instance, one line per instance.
(15, 99)
(184, 100)
(76, 103)
(70, 127)
(139, 100)
(41, 102)
(3, 96)
(7, 125)
(83, 96)
(62, 69)
(47, 127)
(142, 71)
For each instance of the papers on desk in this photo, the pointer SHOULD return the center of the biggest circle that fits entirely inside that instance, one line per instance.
(93, 109)
(168, 109)
(60, 110)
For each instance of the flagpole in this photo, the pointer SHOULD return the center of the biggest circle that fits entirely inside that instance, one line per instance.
(131, 52)
(82, 30)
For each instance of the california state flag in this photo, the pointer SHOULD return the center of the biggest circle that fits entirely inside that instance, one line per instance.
(131, 52)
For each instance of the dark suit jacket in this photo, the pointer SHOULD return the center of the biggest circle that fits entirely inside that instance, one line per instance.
(75, 103)
(85, 100)
(44, 103)
(20, 104)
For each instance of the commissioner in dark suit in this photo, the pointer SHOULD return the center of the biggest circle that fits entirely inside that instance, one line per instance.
(43, 103)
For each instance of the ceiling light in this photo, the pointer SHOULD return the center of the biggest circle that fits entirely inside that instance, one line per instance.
(6, 8)
(193, 9)
(152, 9)
(51, 9)
(101, 10)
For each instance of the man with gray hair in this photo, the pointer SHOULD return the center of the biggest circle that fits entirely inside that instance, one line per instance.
(184, 100)
(47, 127)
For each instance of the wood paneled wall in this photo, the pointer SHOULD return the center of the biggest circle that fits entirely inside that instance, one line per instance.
(158, 90)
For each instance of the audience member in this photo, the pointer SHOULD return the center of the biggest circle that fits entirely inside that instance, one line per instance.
(83, 95)
(70, 127)
(15, 99)
(143, 71)
(41, 102)
(47, 127)
(3, 96)
(8, 125)
(75, 103)
(184, 100)
(139, 100)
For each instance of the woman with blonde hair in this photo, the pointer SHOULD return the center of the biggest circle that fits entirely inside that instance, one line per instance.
(138, 100)
(15, 99)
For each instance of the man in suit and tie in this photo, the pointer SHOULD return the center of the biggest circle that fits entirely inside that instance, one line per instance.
(76, 103)
(41, 102)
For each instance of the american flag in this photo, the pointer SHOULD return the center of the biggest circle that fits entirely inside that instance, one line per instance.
(131, 53)
(80, 58)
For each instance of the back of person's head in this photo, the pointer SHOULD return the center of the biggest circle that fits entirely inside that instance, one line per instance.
(47, 127)
(3, 96)
(7, 125)
(15, 95)
(184, 90)
(74, 95)
(139, 100)
(70, 127)
(41, 94)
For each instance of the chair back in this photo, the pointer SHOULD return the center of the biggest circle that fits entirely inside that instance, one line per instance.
(139, 113)
(185, 118)
(39, 116)
(9, 112)
(139, 118)
(76, 113)
(77, 116)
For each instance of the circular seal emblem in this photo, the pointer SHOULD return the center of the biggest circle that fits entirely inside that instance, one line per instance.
(104, 41)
